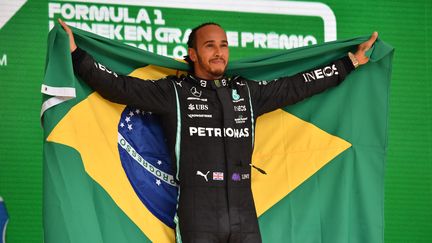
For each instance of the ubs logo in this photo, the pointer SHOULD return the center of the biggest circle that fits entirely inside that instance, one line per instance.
(198, 107)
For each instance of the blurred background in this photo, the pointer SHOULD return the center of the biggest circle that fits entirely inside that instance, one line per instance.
(253, 28)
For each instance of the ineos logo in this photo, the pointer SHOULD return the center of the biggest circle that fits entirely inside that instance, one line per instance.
(320, 73)
(239, 108)
(105, 69)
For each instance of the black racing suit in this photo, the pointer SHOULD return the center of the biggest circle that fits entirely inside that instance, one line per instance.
(209, 125)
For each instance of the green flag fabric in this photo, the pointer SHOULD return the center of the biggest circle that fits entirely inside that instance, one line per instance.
(324, 157)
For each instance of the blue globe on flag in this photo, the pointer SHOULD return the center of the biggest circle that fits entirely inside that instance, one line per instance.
(146, 161)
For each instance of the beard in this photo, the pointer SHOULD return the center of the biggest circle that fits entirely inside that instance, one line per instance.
(216, 70)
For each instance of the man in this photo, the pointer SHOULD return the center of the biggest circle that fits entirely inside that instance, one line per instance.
(209, 121)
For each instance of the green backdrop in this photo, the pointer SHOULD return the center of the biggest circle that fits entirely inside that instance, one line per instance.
(405, 25)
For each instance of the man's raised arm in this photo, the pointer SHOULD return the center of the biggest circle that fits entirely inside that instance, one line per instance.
(155, 96)
(289, 90)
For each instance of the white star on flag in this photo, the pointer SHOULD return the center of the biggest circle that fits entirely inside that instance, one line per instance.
(130, 126)
(158, 182)
(137, 111)
(131, 113)
(159, 162)
(122, 124)
(127, 119)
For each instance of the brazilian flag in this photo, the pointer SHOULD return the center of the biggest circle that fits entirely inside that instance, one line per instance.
(107, 173)
(4, 219)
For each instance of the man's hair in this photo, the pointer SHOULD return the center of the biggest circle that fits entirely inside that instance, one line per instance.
(191, 43)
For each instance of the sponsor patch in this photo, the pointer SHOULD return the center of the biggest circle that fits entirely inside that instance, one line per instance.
(240, 108)
(195, 92)
(320, 73)
(196, 98)
(219, 132)
(203, 83)
(240, 120)
(105, 69)
(198, 107)
(200, 115)
(179, 83)
(235, 95)
(218, 176)
(199, 173)
(235, 177)
(239, 100)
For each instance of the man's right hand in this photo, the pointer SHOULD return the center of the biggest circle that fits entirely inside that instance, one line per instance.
(72, 44)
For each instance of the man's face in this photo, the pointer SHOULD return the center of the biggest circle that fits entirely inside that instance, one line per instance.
(211, 54)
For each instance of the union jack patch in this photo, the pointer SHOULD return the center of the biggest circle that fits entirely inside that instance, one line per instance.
(218, 176)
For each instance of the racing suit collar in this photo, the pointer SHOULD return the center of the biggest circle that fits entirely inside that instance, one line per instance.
(222, 82)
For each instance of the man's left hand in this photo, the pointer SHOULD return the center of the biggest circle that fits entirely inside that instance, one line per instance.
(364, 47)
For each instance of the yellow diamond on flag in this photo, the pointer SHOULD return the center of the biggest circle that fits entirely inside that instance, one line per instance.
(290, 150)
